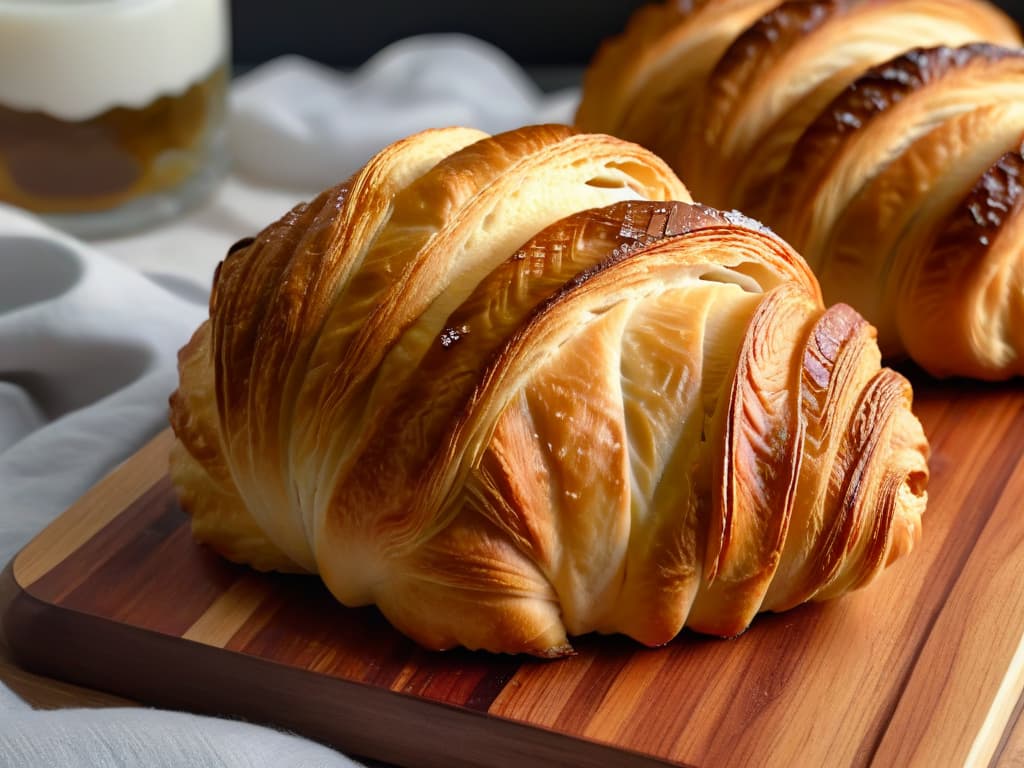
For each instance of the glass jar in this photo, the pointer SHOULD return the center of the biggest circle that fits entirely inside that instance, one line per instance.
(111, 111)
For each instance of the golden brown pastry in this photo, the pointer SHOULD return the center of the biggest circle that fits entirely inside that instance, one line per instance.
(500, 389)
(860, 130)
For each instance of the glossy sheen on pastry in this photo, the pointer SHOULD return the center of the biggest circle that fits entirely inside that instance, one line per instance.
(865, 133)
(498, 388)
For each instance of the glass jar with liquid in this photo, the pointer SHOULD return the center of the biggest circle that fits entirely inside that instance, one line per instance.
(111, 111)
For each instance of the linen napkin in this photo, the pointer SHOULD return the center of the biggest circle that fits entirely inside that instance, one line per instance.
(87, 360)
(299, 123)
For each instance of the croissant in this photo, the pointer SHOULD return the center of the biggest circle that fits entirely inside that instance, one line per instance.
(506, 391)
(883, 140)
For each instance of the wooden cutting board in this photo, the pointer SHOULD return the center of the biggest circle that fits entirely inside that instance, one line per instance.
(924, 667)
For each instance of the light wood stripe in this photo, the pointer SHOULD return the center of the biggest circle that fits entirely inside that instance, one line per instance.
(404, 678)
(257, 622)
(97, 508)
(1011, 753)
(1000, 716)
(228, 614)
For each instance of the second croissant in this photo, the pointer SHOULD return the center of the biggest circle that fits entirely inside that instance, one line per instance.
(883, 140)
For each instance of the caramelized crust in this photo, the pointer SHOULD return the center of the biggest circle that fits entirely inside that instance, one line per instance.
(852, 127)
(612, 423)
(875, 120)
(875, 242)
(760, 57)
(647, 85)
(973, 264)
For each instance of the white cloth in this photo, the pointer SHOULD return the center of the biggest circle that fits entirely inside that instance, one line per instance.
(129, 738)
(88, 344)
(87, 355)
(87, 360)
(324, 124)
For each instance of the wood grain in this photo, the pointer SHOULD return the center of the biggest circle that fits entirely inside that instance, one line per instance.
(985, 662)
(924, 667)
(103, 502)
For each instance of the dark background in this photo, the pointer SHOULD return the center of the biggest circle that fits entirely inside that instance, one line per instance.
(537, 33)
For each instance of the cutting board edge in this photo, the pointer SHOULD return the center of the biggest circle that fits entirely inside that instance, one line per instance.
(374, 719)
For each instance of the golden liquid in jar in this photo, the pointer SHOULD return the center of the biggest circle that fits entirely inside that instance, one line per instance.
(51, 165)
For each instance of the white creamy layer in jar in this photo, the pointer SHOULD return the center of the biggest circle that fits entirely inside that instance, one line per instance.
(75, 59)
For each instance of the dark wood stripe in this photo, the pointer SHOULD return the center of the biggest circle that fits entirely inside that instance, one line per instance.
(172, 589)
(120, 533)
(371, 648)
(309, 628)
(385, 669)
(117, 580)
(493, 683)
(302, 628)
(459, 676)
(298, 606)
(306, 627)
